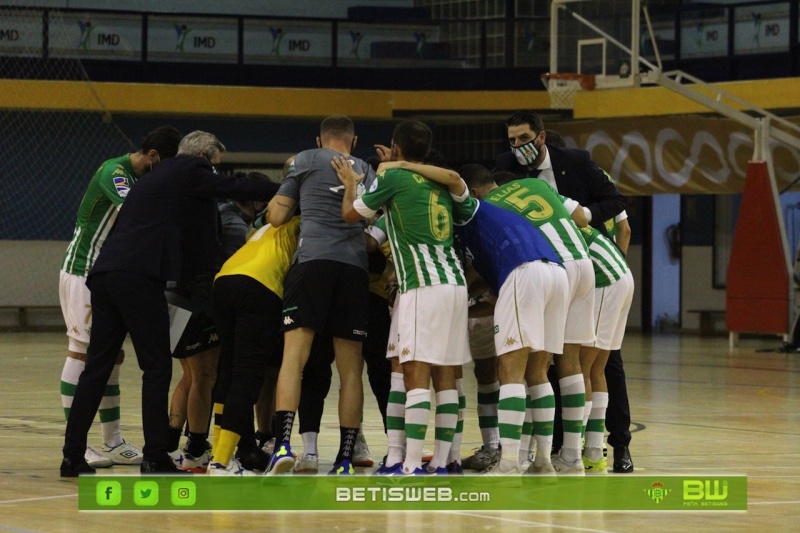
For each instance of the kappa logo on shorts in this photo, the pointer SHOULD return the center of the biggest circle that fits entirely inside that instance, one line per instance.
(405, 351)
(391, 347)
(511, 341)
(213, 338)
(288, 320)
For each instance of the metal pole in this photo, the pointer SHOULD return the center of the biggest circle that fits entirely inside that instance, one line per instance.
(636, 25)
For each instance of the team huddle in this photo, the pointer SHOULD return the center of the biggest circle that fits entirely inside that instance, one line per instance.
(495, 268)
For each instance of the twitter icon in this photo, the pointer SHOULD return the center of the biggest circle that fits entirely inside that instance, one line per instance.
(145, 493)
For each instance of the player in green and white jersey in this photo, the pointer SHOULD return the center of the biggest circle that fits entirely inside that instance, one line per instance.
(613, 296)
(428, 333)
(96, 215)
(551, 213)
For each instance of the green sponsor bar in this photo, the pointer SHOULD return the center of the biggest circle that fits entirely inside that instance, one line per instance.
(413, 493)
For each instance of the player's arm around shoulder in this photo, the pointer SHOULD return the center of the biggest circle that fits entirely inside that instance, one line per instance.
(353, 208)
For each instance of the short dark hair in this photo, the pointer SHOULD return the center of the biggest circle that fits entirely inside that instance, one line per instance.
(436, 158)
(553, 138)
(526, 117)
(374, 161)
(164, 140)
(337, 126)
(414, 139)
(475, 175)
(503, 176)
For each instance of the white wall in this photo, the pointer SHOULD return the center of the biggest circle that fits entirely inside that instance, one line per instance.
(697, 291)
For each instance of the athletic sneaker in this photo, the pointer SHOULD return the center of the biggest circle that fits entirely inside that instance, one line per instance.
(595, 468)
(545, 469)
(439, 471)
(190, 463)
(568, 468)
(95, 459)
(503, 467)
(233, 469)
(361, 456)
(282, 460)
(387, 470)
(454, 469)
(308, 464)
(342, 468)
(528, 461)
(254, 459)
(481, 460)
(124, 454)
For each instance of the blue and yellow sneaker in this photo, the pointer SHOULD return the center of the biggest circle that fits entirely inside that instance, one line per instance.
(282, 460)
(342, 468)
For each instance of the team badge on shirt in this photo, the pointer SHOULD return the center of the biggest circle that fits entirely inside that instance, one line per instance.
(121, 185)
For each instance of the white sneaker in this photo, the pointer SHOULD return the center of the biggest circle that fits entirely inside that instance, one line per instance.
(186, 461)
(568, 468)
(124, 454)
(544, 469)
(361, 456)
(503, 467)
(95, 459)
(233, 469)
(307, 464)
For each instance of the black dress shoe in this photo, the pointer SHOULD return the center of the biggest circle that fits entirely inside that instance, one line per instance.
(622, 460)
(161, 465)
(75, 467)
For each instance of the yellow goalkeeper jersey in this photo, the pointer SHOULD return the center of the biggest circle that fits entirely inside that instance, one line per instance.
(266, 255)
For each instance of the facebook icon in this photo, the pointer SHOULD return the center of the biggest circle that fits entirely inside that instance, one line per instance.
(108, 493)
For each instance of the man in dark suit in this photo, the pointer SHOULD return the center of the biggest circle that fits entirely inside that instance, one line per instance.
(167, 230)
(573, 174)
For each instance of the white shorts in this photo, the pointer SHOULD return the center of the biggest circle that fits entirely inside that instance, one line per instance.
(76, 306)
(429, 324)
(611, 306)
(481, 337)
(579, 329)
(531, 309)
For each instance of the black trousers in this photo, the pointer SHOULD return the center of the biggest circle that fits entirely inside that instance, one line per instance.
(317, 373)
(247, 316)
(618, 414)
(122, 303)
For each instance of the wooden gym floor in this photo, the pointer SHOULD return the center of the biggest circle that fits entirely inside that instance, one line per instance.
(697, 408)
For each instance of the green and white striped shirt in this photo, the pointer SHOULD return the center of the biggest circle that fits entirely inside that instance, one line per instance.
(419, 225)
(541, 204)
(97, 213)
(609, 263)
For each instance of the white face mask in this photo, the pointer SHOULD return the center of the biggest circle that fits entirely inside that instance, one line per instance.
(526, 154)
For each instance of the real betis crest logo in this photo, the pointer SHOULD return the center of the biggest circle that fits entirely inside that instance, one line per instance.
(657, 492)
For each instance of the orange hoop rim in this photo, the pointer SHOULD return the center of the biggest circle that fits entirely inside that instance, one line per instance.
(586, 81)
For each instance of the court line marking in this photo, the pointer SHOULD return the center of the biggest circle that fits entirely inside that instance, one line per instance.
(39, 499)
(529, 523)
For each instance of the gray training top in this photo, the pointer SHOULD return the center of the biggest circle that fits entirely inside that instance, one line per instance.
(324, 234)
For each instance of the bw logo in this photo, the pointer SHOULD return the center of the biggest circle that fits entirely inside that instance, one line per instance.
(288, 320)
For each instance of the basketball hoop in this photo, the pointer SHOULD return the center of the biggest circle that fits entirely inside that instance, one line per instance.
(564, 86)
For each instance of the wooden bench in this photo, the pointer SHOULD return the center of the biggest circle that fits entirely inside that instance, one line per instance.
(707, 317)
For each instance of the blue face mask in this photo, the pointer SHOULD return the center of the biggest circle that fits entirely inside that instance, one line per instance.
(526, 154)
